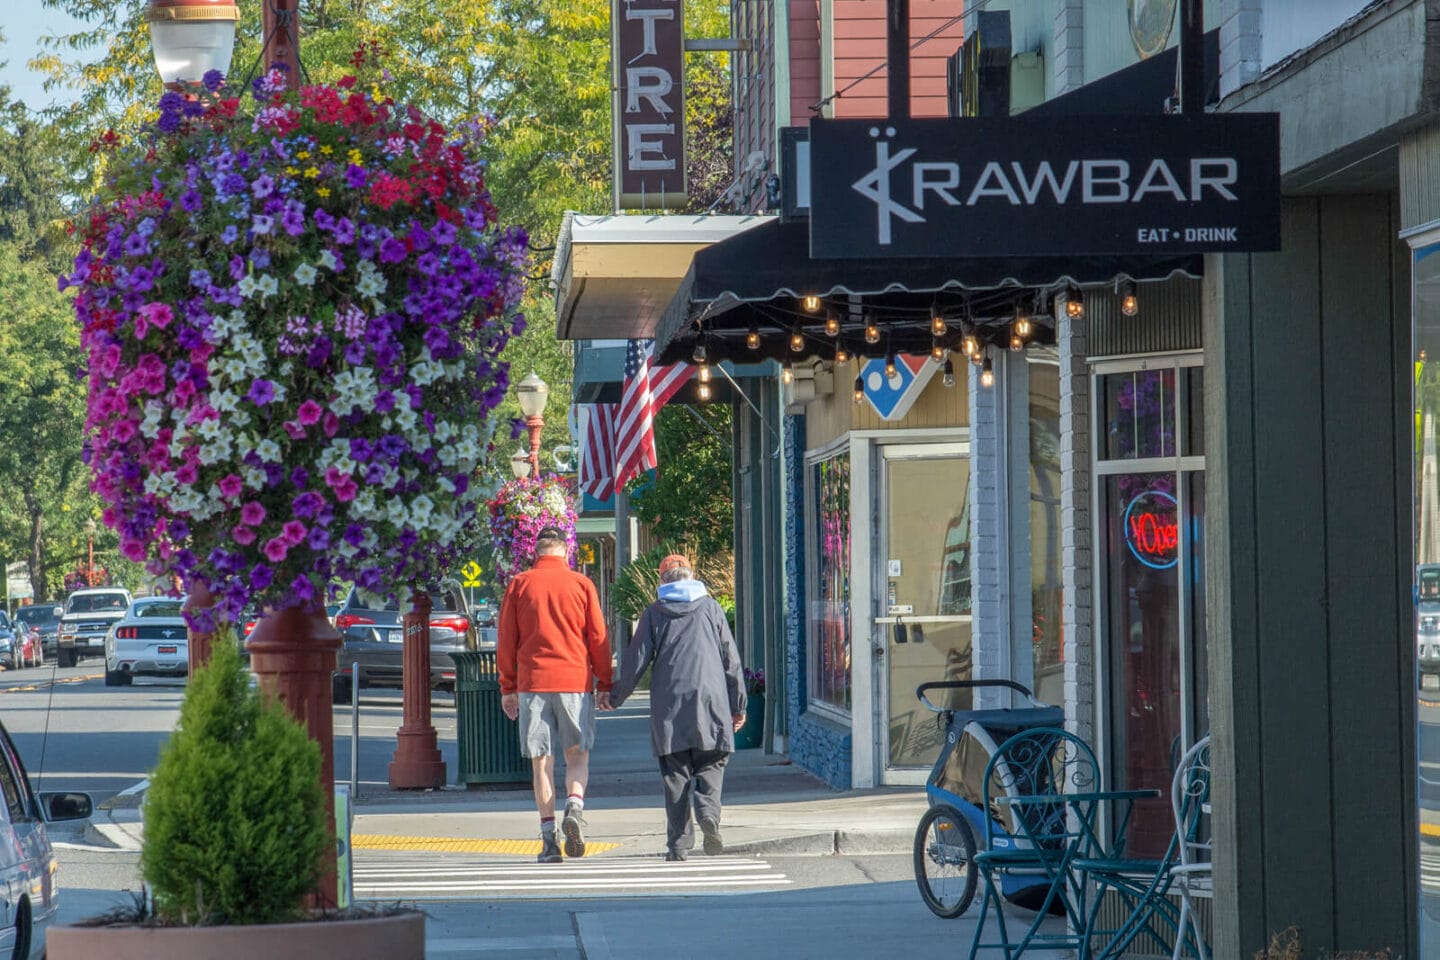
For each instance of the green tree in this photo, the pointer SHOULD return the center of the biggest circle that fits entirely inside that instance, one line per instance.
(689, 499)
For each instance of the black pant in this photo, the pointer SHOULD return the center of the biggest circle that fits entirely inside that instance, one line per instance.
(691, 773)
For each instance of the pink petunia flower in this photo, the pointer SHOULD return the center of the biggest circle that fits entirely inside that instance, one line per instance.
(276, 549)
(243, 536)
(231, 486)
(252, 514)
(294, 532)
(309, 413)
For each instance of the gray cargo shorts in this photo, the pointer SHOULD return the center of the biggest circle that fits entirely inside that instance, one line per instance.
(550, 718)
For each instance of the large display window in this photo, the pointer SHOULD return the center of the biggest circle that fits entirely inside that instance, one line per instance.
(828, 618)
(1149, 509)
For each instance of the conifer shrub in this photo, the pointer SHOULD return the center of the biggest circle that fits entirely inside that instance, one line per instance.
(235, 814)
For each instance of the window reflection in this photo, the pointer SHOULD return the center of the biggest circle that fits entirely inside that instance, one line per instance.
(830, 604)
(1426, 278)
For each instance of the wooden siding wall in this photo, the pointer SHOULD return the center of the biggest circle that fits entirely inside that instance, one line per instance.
(754, 91)
(1312, 683)
(804, 60)
(859, 47)
(829, 418)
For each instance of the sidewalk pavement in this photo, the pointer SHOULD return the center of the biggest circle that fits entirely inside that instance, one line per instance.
(771, 806)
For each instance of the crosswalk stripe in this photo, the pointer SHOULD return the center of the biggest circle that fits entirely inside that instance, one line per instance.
(582, 884)
(550, 869)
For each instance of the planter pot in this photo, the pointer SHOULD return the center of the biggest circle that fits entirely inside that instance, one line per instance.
(751, 735)
(398, 937)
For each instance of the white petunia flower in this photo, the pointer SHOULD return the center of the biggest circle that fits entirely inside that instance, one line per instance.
(305, 274)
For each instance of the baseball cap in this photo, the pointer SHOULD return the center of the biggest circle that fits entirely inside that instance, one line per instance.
(672, 561)
(550, 533)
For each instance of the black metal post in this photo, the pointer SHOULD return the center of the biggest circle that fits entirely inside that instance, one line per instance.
(1192, 56)
(897, 57)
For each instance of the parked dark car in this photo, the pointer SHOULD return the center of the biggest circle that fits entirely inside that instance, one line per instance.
(11, 635)
(44, 619)
(374, 640)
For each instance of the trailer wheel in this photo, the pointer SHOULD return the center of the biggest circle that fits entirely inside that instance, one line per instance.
(945, 861)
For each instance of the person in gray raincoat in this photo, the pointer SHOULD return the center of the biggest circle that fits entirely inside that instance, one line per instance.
(697, 700)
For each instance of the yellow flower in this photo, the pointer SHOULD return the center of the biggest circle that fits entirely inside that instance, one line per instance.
(327, 149)
(303, 155)
(322, 192)
(291, 172)
(312, 172)
(355, 157)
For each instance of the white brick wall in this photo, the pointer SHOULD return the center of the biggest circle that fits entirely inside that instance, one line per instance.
(1077, 569)
(1240, 38)
(988, 633)
(1069, 49)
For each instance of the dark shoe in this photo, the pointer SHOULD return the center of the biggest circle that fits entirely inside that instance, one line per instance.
(574, 828)
(675, 856)
(714, 846)
(549, 849)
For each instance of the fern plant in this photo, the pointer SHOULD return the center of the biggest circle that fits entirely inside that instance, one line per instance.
(235, 815)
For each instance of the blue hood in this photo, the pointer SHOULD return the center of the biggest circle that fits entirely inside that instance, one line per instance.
(682, 591)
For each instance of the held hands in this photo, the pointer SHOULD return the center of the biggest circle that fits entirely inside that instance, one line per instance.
(739, 719)
(510, 703)
(602, 701)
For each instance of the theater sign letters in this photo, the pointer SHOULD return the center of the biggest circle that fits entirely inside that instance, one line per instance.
(1048, 186)
(648, 54)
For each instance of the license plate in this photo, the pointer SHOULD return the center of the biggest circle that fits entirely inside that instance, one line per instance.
(95, 641)
(397, 636)
(167, 649)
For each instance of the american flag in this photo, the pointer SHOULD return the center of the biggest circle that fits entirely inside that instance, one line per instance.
(647, 387)
(597, 462)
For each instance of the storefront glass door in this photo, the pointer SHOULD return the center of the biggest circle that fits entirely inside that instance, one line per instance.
(922, 626)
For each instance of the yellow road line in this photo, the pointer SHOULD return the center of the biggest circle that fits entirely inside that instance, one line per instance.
(41, 686)
(374, 841)
(1430, 829)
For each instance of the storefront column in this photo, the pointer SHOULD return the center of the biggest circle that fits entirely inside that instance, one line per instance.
(989, 627)
(1076, 538)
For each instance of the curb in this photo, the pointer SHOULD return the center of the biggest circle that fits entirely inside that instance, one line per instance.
(829, 843)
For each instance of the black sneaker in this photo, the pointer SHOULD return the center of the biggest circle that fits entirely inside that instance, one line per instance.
(714, 846)
(549, 849)
(573, 827)
(674, 856)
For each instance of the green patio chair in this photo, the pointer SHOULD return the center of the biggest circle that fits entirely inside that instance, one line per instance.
(1145, 886)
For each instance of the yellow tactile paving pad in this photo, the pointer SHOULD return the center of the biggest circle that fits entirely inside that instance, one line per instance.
(375, 841)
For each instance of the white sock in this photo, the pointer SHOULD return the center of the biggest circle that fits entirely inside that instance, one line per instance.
(576, 800)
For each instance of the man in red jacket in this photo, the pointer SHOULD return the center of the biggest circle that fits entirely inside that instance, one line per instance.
(553, 652)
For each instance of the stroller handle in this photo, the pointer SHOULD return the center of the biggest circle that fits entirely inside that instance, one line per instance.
(967, 685)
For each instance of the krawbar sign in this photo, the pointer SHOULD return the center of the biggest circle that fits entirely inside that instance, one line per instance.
(648, 56)
(1051, 186)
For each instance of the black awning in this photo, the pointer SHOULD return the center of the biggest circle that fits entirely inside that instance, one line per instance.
(759, 279)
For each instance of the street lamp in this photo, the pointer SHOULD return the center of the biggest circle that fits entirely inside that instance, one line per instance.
(520, 464)
(90, 550)
(192, 37)
(532, 392)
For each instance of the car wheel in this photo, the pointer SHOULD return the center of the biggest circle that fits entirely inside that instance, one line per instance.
(117, 678)
(23, 932)
(67, 658)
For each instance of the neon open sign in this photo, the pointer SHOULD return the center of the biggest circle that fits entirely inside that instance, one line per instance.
(1152, 529)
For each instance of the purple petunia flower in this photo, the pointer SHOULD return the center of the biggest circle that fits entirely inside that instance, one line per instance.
(392, 251)
(261, 577)
(229, 235)
(354, 177)
(261, 392)
(213, 80)
(190, 201)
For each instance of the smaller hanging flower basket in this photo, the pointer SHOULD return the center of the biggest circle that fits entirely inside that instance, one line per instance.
(519, 511)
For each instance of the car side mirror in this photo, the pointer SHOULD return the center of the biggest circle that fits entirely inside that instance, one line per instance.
(66, 806)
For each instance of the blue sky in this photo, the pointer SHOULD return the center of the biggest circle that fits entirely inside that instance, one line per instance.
(23, 22)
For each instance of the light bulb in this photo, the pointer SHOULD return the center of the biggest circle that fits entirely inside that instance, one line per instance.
(1017, 342)
(859, 389)
(937, 324)
(842, 355)
(872, 332)
(812, 303)
(937, 351)
(889, 365)
(752, 339)
(987, 374)
(1129, 302)
(797, 342)
(787, 374)
(699, 354)
(704, 373)
(971, 345)
(832, 324)
(1074, 304)
(1022, 322)
(703, 392)
(949, 369)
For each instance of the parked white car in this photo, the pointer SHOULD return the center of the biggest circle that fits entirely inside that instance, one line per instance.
(149, 641)
(28, 877)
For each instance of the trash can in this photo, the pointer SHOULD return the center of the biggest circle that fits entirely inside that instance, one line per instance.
(489, 743)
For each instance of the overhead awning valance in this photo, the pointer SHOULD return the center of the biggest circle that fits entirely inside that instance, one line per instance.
(614, 275)
(757, 280)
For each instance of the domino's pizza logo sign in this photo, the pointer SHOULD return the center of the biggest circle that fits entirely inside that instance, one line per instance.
(892, 397)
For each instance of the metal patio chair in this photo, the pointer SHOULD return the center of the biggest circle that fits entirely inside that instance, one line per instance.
(1038, 819)
(1145, 886)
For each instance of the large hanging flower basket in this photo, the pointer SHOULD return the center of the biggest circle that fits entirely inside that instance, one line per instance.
(293, 311)
(519, 511)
